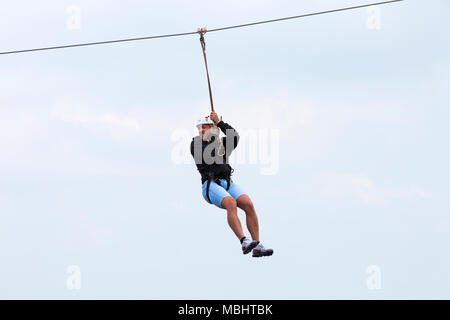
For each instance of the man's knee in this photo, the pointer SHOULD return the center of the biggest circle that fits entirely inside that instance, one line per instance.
(245, 203)
(229, 203)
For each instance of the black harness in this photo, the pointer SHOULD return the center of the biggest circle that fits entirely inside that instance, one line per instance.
(216, 180)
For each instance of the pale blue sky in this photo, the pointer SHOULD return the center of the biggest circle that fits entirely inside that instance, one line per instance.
(87, 176)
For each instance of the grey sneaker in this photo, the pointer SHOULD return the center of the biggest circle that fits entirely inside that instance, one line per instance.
(260, 251)
(248, 245)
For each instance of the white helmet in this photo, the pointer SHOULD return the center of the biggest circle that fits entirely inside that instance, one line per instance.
(204, 120)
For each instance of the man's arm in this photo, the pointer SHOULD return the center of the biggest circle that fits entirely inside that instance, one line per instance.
(231, 139)
(231, 136)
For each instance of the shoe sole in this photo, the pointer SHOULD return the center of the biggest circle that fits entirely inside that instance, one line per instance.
(259, 255)
(250, 247)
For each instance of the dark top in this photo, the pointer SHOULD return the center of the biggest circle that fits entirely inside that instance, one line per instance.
(208, 154)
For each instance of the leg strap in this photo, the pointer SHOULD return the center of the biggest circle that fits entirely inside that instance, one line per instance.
(208, 183)
(228, 184)
(207, 190)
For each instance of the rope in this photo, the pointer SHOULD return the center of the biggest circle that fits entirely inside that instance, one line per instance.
(202, 41)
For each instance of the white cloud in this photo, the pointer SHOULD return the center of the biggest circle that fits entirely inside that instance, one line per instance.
(80, 115)
(362, 111)
(98, 234)
(347, 187)
(290, 114)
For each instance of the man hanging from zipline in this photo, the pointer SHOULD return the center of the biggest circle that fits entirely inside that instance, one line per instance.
(211, 155)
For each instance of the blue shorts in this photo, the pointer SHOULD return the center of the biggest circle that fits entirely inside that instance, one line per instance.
(217, 193)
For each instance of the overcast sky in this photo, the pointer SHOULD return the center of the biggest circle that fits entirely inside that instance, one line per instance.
(349, 168)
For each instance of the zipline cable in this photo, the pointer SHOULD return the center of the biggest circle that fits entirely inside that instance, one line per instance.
(98, 43)
(195, 32)
(303, 15)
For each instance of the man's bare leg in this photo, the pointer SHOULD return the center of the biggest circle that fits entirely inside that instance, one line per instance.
(233, 221)
(246, 204)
